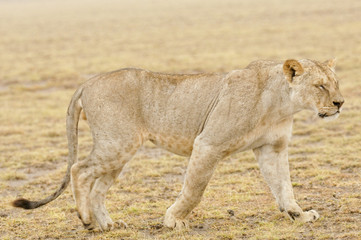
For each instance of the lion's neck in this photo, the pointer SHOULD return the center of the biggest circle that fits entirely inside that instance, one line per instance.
(285, 99)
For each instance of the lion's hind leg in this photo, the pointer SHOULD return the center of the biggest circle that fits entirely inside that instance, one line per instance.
(92, 178)
(82, 180)
(97, 198)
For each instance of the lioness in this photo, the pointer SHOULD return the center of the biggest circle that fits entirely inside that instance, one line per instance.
(204, 116)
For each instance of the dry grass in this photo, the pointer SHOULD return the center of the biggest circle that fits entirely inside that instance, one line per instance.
(49, 47)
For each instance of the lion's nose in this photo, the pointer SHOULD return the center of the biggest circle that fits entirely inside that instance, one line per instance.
(338, 104)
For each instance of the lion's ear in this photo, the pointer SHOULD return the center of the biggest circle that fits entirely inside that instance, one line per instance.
(292, 68)
(331, 63)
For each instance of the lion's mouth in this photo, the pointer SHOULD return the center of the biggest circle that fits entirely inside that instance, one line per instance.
(325, 115)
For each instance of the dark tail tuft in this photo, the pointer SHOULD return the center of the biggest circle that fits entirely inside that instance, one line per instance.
(23, 203)
(72, 133)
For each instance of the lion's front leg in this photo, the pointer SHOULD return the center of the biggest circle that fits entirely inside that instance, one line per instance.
(273, 162)
(200, 170)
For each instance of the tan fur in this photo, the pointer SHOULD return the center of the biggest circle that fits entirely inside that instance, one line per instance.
(292, 68)
(203, 116)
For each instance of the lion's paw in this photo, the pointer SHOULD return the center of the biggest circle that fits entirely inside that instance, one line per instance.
(173, 222)
(113, 225)
(310, 216)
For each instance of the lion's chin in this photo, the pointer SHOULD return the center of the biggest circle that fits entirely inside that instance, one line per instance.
(329, 117)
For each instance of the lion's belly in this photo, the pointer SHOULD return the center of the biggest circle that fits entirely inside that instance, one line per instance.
(174, 143)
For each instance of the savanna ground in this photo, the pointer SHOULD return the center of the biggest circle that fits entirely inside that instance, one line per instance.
(48, 48)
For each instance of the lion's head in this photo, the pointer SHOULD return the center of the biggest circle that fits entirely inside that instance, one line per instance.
(315, 86)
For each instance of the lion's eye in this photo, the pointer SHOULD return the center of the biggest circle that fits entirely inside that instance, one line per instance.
(321, 87)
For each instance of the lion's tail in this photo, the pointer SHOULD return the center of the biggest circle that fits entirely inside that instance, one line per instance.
(72, 120)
